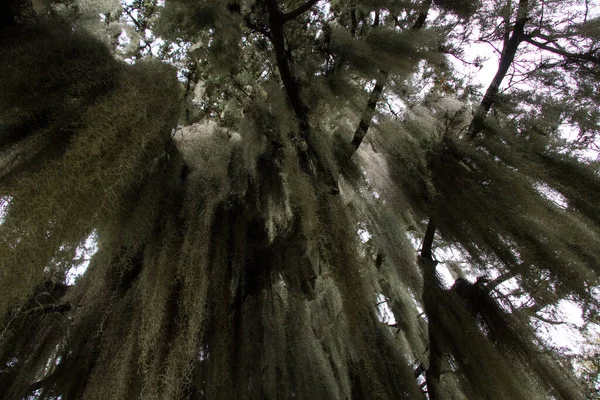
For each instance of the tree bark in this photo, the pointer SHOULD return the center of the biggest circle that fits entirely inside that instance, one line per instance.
(506, 60)
(369, 112)
(581, 57)
(276, 21)
(427, 246)
(432, 308)
(367, 117)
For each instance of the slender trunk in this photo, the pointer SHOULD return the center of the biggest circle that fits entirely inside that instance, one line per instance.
(276, 21)
(431, 306)
(427, 246)
(430, 289)
(506, 60)
(367, 117)
(375, 95)
(309, 159)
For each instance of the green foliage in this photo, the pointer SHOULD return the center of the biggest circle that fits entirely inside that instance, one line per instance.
(462, 8)
(189, 18)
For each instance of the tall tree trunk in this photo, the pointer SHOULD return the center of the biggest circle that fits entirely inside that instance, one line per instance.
(506, 60)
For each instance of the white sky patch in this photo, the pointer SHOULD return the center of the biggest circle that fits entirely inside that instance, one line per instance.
(364, 235)
(393, 105)
(553, 195)
(4, 204)
(123, 40)
(384, 312)
(447, 279)
(414, 239)
(479, 63)
(563, 336)
(83, 254)
(488, 62)
(324, 7)
(571, 312)
(511, 296)
(571, 134)
(157, 43)
(203, 354)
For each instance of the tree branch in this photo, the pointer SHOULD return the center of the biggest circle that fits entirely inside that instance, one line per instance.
(506, 60)
(493, 284)
(309, 159)
(367, 117)
(41, 383)
(353, 21)
(547, 320)
(422, 17)
(298, 11)
(276, 22)
(133, 19)
(46, 381)
(427, 246)
(581, 57)
(48, 308)
(418, 371)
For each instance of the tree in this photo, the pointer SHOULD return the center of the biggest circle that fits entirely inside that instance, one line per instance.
(225, 166)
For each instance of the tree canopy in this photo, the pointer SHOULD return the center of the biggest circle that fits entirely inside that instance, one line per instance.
(298, 199)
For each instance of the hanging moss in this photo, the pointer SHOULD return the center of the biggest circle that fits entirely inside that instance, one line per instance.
(49, 78)
(386, 49)
(55, 205)
(228, 263)
(462, 8)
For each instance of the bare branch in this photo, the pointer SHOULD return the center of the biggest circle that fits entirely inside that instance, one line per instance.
(548, 321)
(48, 308)
(574, 56)
(492, 285)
